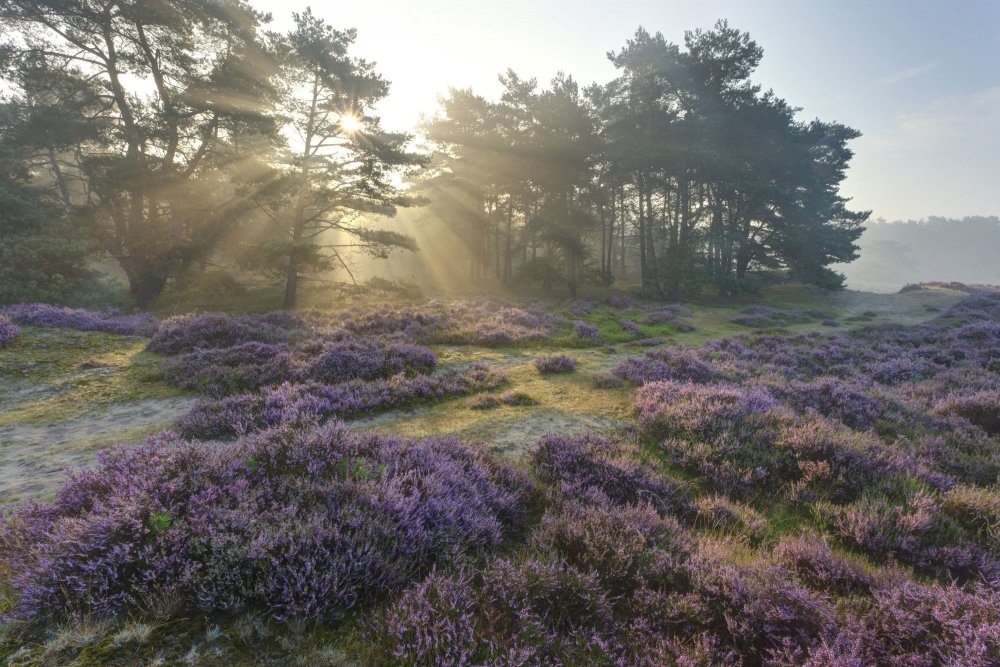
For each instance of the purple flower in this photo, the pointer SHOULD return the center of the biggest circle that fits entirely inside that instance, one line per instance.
(8, 331)
(585, 331)
(44, 315)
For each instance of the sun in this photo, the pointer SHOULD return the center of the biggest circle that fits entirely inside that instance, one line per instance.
(351, 123)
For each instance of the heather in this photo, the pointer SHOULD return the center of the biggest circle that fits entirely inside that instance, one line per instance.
(801, 497)
(556, 363)
(44, 315)
(301, 524)
(8, 331)
(310, 402)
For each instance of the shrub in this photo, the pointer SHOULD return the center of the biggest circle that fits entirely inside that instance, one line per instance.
(630, 327)
(847, 401)
(185, 333)
(310, 402)
(44, 315)
(901, 369)
(586, 332)
(522, 612)
(557, 363)
(760, 610)
(8, 331)
(231, 370)
(579, 466)
(720, 513)
(818, 567)
(834, 463)
(981, 408)
(677, 363)
(917, 533)
(297, 524)
(628, 547)
(699, 411)
(357, 359)
(433, 623)
(918, 624)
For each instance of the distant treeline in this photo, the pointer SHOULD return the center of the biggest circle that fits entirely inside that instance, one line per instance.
(936, 249)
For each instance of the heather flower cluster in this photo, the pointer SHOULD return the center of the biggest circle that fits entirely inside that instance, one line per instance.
(8, 331)
(296, 524)
(44, 315)
(311, 402)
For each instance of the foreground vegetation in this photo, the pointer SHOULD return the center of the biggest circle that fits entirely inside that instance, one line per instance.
(802, 493)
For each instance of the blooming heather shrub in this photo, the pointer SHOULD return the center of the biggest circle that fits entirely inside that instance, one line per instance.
(627, 546)
(725, 433)
(580, 465)
(630, 327)
(581, 307)
(981, 408)
(979, 333)
(702, 411)
(296, 524)
(818, 567)
(44, 315)
(675, 363)
(901, 369)
(917, 533)
(759, 610)
(586, 332)
(433, 623)
(720, 513)
(756, 321)
(834, 463)
(522, 612)
(924, 625)
(835, 398)
(8, 331)
(549, 610)
(760, 311)
(185, 333)
(358, 359)
(231, 370)
(556, 363)
(310, 402)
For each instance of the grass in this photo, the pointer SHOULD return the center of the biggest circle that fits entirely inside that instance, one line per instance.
(51, 375)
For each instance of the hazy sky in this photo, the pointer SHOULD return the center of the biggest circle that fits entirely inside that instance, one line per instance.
(920, 78)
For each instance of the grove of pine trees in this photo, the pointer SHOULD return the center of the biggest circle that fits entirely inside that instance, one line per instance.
(152, 132)
(681, 171)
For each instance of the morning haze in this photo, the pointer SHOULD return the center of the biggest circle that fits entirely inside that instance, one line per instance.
(454, 334)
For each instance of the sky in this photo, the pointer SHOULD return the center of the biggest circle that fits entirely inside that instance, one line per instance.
(919, 78)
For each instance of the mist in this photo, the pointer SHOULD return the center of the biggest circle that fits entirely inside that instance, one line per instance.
(893, 254)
